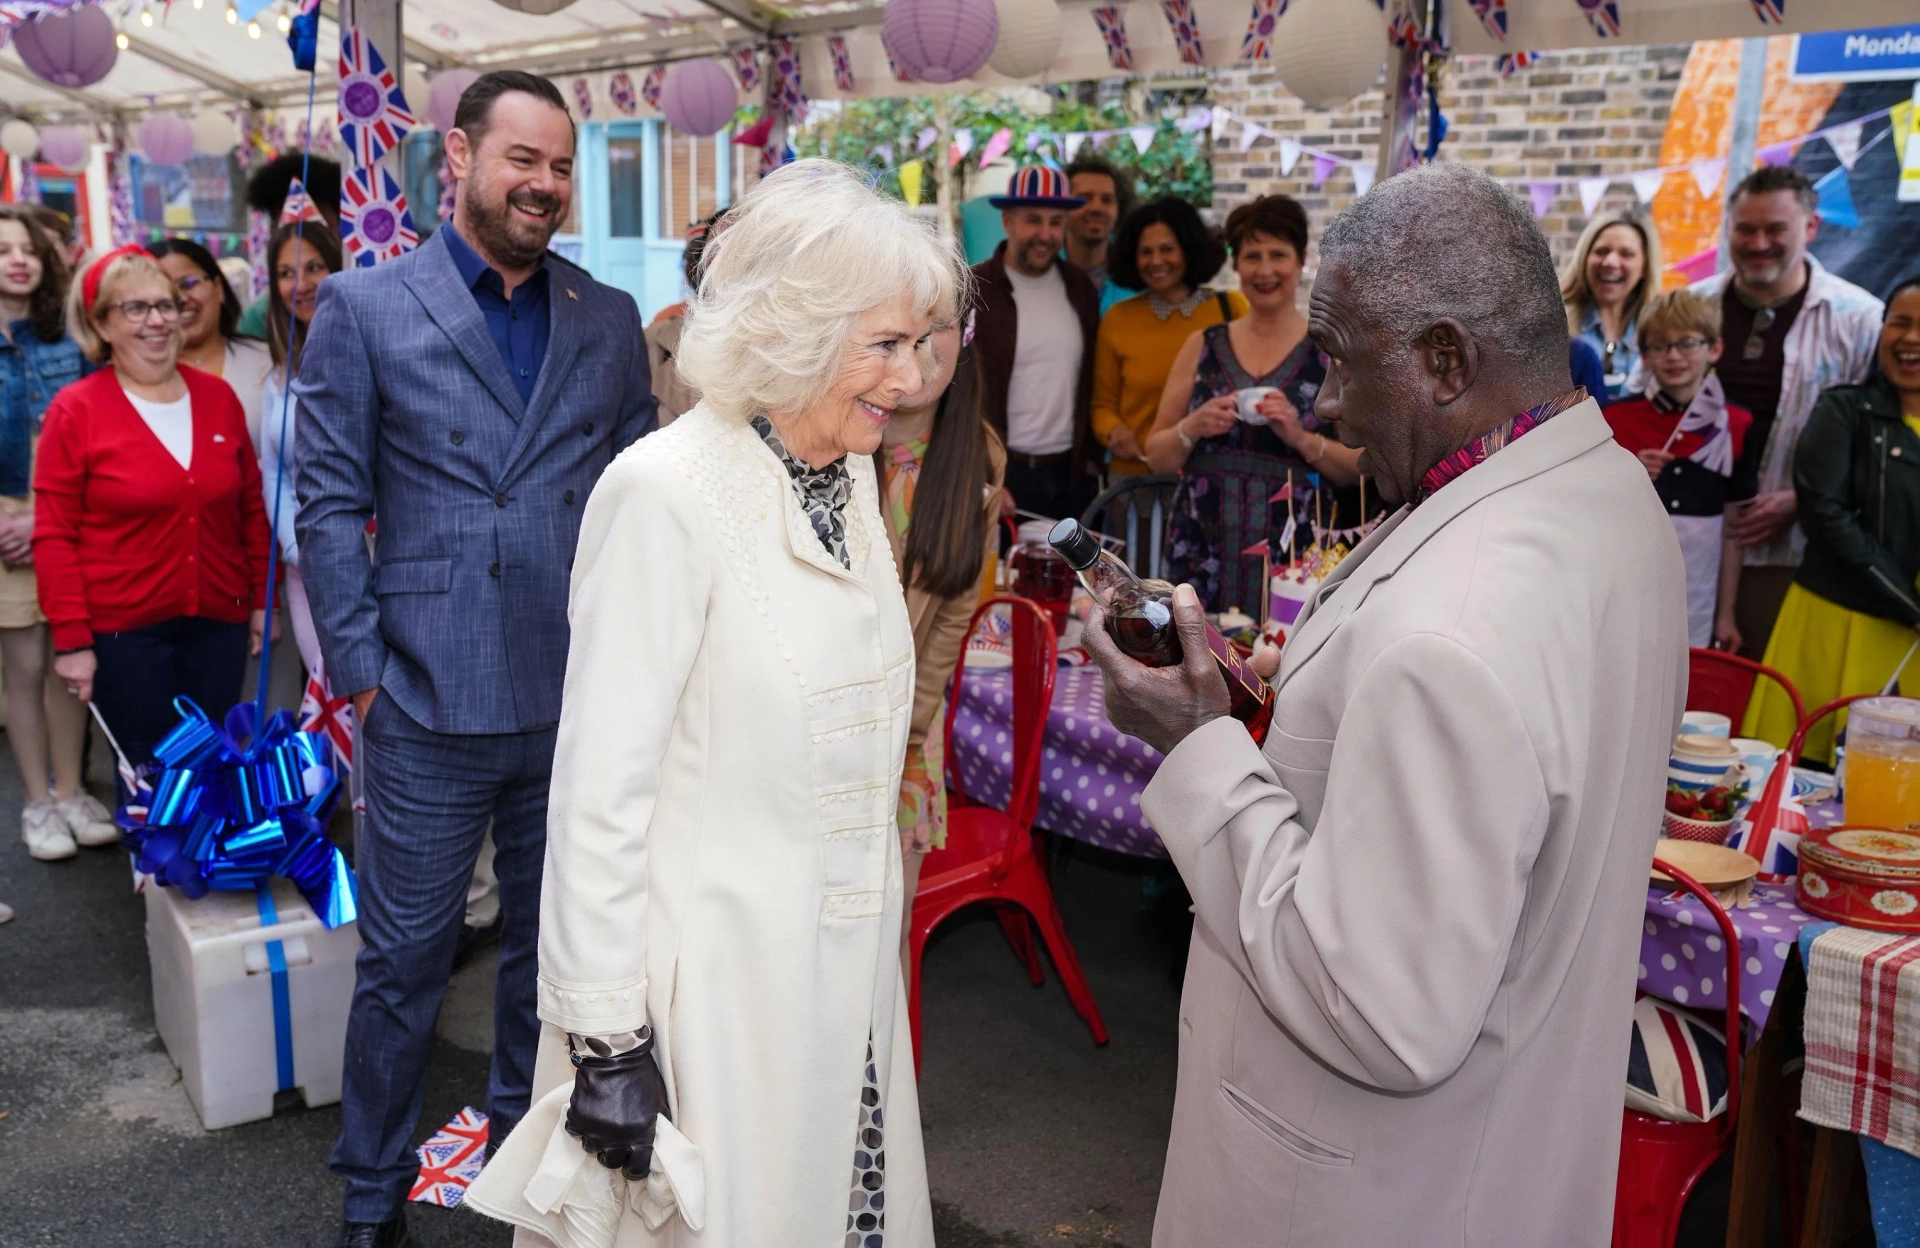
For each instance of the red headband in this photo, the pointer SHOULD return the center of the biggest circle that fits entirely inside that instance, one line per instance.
(90, 280)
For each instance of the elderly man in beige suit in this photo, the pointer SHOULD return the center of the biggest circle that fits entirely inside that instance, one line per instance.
(1406, 1012)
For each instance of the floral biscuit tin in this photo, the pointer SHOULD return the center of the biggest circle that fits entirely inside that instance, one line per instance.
(1863, 877)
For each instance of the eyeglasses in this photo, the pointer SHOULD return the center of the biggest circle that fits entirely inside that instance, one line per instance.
(1685, 346)
(1756, 345)
(138, 310)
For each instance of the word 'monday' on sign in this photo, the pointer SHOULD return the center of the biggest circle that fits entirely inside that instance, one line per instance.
(1883, 52)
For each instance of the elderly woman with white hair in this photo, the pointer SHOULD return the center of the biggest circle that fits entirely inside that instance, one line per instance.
(721, 913)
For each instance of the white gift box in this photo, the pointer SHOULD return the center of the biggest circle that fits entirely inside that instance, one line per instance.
(214, 998)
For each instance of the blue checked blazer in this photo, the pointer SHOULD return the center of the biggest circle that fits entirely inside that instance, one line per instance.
(407, 412)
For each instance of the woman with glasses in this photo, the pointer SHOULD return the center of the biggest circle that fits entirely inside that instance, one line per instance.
(1613, 274)
(210, 338)
(150, 537)
(1693, 444)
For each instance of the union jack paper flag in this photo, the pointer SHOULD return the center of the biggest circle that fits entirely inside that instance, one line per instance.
(1770, 12)
(299, 206)
(1511, 63)
(1605, 16)
(1186, 30)
(842, 62)
(746, 67)
(1258, 43)
(620, 91)
(320, 711)
(788, 96)
(1493, 15)
(1113, 28)
(451, 1160)
(650, 84)
(374, 225)
(583, 98)
(373, 110)
(893, 66)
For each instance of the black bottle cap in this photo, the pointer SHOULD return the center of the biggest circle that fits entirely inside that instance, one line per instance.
(1077, 546)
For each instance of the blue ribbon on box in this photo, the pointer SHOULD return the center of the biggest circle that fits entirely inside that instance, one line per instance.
(234, 803)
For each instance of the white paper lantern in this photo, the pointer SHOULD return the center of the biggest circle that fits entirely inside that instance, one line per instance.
(66, 147)
(165, 139)
(19, 138)
(539, 8)
(1329, 51)
(214, 133)
(1029, 37)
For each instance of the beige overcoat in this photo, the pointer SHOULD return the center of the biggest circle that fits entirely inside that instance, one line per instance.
(1406, 1012)
(721, 858)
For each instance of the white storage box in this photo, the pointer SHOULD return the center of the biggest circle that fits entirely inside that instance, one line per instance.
(213, 998)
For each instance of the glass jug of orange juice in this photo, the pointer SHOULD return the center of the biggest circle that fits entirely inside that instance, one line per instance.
(1883, 763)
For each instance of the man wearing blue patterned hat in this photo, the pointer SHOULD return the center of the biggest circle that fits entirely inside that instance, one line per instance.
(1035, 320)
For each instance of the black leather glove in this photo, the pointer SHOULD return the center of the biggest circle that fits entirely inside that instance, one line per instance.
(615, 1102)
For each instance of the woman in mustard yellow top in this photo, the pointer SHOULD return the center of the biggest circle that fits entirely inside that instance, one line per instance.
(1166, 251)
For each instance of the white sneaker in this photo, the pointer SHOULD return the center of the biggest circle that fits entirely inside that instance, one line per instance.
(89, 821)
(6, 912)
(45, 832)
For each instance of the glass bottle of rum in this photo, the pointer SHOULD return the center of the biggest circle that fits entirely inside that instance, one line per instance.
(1140, 619)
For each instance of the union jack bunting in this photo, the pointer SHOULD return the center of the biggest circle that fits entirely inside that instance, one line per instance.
(1186, 30)
(842, 62)
(1113, 28)
(374, 225)
(788, 96)
(893, 66)
(327, 715)
(451, 1159)
(746, 67)
(1605, 16)
(373, 110)
(1257, 45)
(120, 200)
(1770, 12)
(299, 206)
(583, 98)
(1493, 15)
(620, 91)
(1511, 63)
(650, 84)
(260, 229)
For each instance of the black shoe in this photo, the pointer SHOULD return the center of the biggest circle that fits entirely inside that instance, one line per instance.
(473, 939)
(389, 1234)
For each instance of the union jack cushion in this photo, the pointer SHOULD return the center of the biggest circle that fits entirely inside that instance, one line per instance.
(1677, 1068)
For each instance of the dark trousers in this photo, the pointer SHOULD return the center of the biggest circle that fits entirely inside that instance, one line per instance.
(429, 799)
(1053, 492)
(141, 671)
(1757, 606)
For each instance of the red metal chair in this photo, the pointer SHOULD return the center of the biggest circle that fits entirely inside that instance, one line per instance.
(989, 855)
(1660, 1161)
(1723, 683)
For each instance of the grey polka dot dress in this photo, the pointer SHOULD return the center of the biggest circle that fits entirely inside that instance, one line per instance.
(867, 1207)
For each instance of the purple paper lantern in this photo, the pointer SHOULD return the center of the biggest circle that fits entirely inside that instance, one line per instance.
(940, 40)
(698, 97)
(443, 96)
(166, 139)
(71, 49)
(65, 147)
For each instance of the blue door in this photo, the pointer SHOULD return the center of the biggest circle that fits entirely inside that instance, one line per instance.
(622, 185)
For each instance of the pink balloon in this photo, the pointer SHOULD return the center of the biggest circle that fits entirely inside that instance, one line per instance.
(940, 40)
(166, 139)
(698, 97)
(443, 95)
(71, 49)
(66, 147)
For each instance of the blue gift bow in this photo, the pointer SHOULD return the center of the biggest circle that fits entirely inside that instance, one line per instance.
(229, 807)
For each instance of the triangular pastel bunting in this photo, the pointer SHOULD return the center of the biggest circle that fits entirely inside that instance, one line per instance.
(1592, 191)
(1845, 142)
(1647, 185)
(1289, 156)
(1363, 177)
(1707, 175)
(1142, 137)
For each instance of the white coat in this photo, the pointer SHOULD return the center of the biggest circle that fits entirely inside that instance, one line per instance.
(721, 859)
(1408, 999)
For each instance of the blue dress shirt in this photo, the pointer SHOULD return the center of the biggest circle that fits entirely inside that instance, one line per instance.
(521, 325)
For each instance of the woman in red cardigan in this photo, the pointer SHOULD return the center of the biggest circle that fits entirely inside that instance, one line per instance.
(150, 537)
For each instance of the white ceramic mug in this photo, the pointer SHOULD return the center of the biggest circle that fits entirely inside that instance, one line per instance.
(1250, 402)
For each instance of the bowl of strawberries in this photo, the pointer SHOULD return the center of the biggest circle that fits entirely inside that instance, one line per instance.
(1702, 814)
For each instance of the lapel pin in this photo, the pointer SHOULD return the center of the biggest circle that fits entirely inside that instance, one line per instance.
(571, 295)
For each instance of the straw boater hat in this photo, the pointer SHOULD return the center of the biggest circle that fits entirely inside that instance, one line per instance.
(1037, 186)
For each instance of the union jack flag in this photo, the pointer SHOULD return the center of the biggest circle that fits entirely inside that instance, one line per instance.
(1493, 15)
(1113, 28)
(583, 98)
(788, 96)
(650, 84)
(620, 91)
(373, 109)
(746, 67)
(1770, 12)
(451, 1160)
(374, 226)
(1258, 43)
(1605, 16)
(299, 206)
(329, 716)
(893, 65)
(1186, 30)
(842, 62)
(1511, 63)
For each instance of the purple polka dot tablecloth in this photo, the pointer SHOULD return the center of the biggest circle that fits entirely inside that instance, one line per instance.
(1091, 775)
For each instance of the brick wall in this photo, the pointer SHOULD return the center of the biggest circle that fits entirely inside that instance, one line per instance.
(1570, 115)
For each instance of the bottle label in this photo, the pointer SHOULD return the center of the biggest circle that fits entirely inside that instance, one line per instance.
(1232, 666)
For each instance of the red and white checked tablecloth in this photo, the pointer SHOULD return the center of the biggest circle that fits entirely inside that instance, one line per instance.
(1863, 1035)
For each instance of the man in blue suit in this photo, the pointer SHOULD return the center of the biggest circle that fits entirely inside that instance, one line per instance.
(469, 395)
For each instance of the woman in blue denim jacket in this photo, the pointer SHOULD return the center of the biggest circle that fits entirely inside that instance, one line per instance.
(46, 731)
(1613, 272)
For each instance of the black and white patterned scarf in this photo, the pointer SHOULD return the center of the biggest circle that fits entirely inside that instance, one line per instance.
(823, 492)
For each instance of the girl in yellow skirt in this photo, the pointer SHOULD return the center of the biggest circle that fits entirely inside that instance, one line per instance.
(1851, 620)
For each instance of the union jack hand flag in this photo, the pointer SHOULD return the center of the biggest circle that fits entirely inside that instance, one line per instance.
(451, 1159)
(373, 109)
(374, 225)
(1511, 63)
(1493, 15)
(329, 716)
